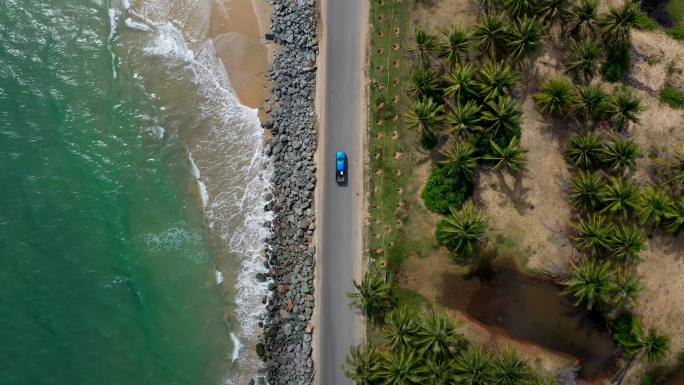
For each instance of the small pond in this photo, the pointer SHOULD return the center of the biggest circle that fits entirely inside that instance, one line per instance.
(533, 311)
(677, 378)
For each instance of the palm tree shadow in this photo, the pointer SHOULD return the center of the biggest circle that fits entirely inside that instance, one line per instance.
(517, 193)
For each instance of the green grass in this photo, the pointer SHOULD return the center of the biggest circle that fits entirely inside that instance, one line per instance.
(676, 10)
(672, 96)
(647, 23)
(397, 226)
(676, 33)
(384, 183)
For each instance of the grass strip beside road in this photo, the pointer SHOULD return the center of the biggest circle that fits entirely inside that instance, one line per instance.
(394, 228)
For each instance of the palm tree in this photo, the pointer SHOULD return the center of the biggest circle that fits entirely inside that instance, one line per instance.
(552, 11)
(584, 60)
(424, 83)
(582, 17)
(520, 8)
(652, 344)
(461, 83)
(400, 329)
(426, 116)
(654, 203)
(437, 371)
(620, 155)
(591, 103)
(461, 160)
(465, 120)
(462, 231)
(437, 336)
(373, 295)
(584, 151)
(619, 196)
(491, 34)
(362, 364)
(593, 233)
(502, 115)
(625, 108)
(626, 242)
(473, 367)
(586, 187)
(556, 96)
(426, 44)
(589, 282)
(675, 170)
(509, 369)
(617, 22)
(675, 217)
(626, 287)
(525, 37)
(496, 80)
(402, 367)
(512, 157)
(456, 47)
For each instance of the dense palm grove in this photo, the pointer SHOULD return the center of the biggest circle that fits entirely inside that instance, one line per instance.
(465, 87)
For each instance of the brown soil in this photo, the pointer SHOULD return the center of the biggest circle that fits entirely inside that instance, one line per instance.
(662, 302)
(436, 15)
(531, 209)
(656, 52)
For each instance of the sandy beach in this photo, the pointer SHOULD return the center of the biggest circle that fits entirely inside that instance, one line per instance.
(237, 29)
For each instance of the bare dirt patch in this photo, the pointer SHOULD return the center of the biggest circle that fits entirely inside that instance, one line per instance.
(662, 301)
(435, 15)
(657, 62)
(531, 209)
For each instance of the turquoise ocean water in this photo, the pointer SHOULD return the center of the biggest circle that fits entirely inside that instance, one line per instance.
(130, 184)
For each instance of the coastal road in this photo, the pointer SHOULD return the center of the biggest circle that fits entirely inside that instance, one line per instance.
(341, 208)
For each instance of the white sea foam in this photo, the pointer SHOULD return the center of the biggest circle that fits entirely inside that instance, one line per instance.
(219, 277)
(130, 23)
(169, 43)
(204, 195)
(227, 156)
(112, 23)
(110, 39)
(156, 131)
(125, 4)
(236, 346)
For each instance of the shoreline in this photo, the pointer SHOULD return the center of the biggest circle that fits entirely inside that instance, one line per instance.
(287, 339)
(236, 30)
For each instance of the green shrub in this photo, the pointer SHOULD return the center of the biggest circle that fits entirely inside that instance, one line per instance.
(622, 330)
(676, 32)
(646, 380)
(646, 22)
(443, 191)
(617, 63)
(672, 96)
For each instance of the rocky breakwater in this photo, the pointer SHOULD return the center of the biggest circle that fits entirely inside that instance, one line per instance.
(286, 349)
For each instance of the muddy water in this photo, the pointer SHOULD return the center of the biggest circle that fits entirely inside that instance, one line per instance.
(677, 378)
(533, 311)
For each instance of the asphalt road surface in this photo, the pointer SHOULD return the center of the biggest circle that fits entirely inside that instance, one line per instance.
(341, 225)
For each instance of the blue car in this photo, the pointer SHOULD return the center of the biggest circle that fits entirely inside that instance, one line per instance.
(341, 168)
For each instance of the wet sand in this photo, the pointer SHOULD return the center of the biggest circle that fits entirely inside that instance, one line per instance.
(237, 29)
